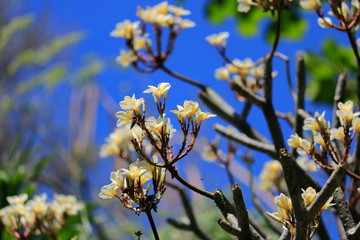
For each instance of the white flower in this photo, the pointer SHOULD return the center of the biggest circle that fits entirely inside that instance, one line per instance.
(125, 29)
(19, 199)
(244, 5)
(240, 67)
(178, 11)
(108, 191)
(218, 39)
(132, 104)
(124, 118)
(126, 58)
(310, 4)
(222, 73)
(161, 90)
(184, 23)
(118, 178)
(324, 22)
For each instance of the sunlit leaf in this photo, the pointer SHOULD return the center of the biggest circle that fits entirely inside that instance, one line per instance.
(15, 25)
(293, 27)
(218, 10)
(50, 78)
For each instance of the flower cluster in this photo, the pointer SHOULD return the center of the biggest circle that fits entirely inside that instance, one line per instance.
(159, 130)
(23, 217)
(245, 73)
(119, 141)
(129, 186)
(138, 41)
(340, 10)
(285, 213)
(323, 135)
(272, 177)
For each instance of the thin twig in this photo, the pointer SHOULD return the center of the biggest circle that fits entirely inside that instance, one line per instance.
(246, 141)
(183, 78)
(152, 224)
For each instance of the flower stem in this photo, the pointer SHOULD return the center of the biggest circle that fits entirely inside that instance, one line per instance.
(152, 224)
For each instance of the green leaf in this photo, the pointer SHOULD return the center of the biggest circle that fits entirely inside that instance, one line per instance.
(248, 23)
(40, 166)
(49, 79)
(88, 71)
(15, 25)
(218, 10)
(44, 54)
(324, 69)
(292, 27)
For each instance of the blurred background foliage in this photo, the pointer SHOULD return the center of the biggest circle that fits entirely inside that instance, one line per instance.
(36, 68)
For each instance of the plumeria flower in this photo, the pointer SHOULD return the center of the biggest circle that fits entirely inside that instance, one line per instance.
(38, 205)
(142, 42)
(135, 170)
(295, 141)
(201, 116)
(159, 126)
(126, 58)
(244, 5)
(132, 104)
(307, 165)
(258, 71)
(124, 118)
(284, 215)
(303, 146)
(356, 124)
(108, 191)
(164, 20)
(355, 4)
(188, 110)
(240, 67)
(283, 202)
(218, 39)
(161, 90)
(19, 199)
(272, 172)
(310, 4)
(222, 73)
(69, 202)
(178, 11)
(319, 139)
(337, 133)
(125, 29)
(118, 178)
(327, 204)
(184, 23)
(308, 196)
(315, 124)
(324, 22)
(346, 112)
